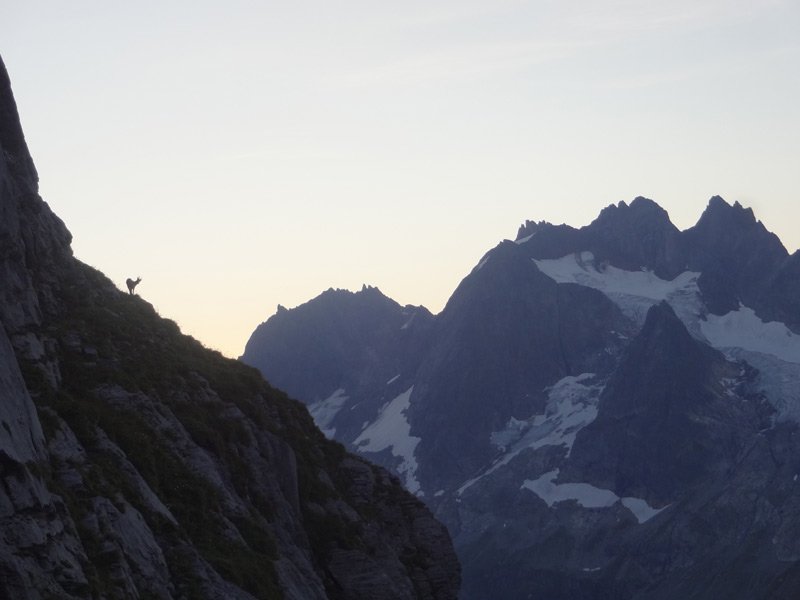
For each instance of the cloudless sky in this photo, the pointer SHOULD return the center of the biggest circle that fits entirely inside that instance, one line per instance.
(241, 154)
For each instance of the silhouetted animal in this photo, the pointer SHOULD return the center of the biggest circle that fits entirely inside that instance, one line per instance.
(132, 284)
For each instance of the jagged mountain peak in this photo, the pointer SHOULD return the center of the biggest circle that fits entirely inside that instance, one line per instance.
(729, 227)
(737, 256)
(367, 293)
(718, 214)
(365, 290)
(663, 330)
(644, 203)
(630, 236)
(738, 259)
(641, 213)
(365, 304)
(634, 236)
(370, 289)
(367, 298)
(364, 331)
(638, 216)
(530, 228)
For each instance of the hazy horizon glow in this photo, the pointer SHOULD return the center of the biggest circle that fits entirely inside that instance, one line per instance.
(256, 154)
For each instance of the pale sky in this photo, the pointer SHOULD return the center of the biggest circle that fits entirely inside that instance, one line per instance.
(241, 154)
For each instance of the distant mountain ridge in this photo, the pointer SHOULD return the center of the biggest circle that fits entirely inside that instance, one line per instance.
(592, 409)
(363, 335)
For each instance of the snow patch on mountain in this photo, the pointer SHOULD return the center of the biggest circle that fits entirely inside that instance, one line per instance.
(777, 379)
(324, 411)
(571, 406)
(392, 430)
(640, 508)
(479, 266)
(410, 320)
(771, 347)
(586, 495)
(633, 291)
(743, 329)
(523, 240)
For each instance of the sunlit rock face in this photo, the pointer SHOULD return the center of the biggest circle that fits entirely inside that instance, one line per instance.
(600, 412)
(137, 464)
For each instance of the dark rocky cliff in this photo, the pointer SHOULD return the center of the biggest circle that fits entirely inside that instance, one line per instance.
(663, 423)
(136, 464)
(504, 317)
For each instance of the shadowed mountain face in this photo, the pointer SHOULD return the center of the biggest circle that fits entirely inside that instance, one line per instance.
(664, 423)
(347, 339)
(603, 412)
(137, 464)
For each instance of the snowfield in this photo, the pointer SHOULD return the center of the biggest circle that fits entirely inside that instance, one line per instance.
(392, 430)
(633, 291)
(324, 411)
(743, 329)
(586, 495)
(571, 406)
(770, 347)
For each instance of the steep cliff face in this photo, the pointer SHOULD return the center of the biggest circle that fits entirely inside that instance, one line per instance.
(504, 317)
(664, 423)
(135, 463)
(641, 233)
(736, 256)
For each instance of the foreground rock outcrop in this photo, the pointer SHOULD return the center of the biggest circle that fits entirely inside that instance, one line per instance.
(135, 463)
